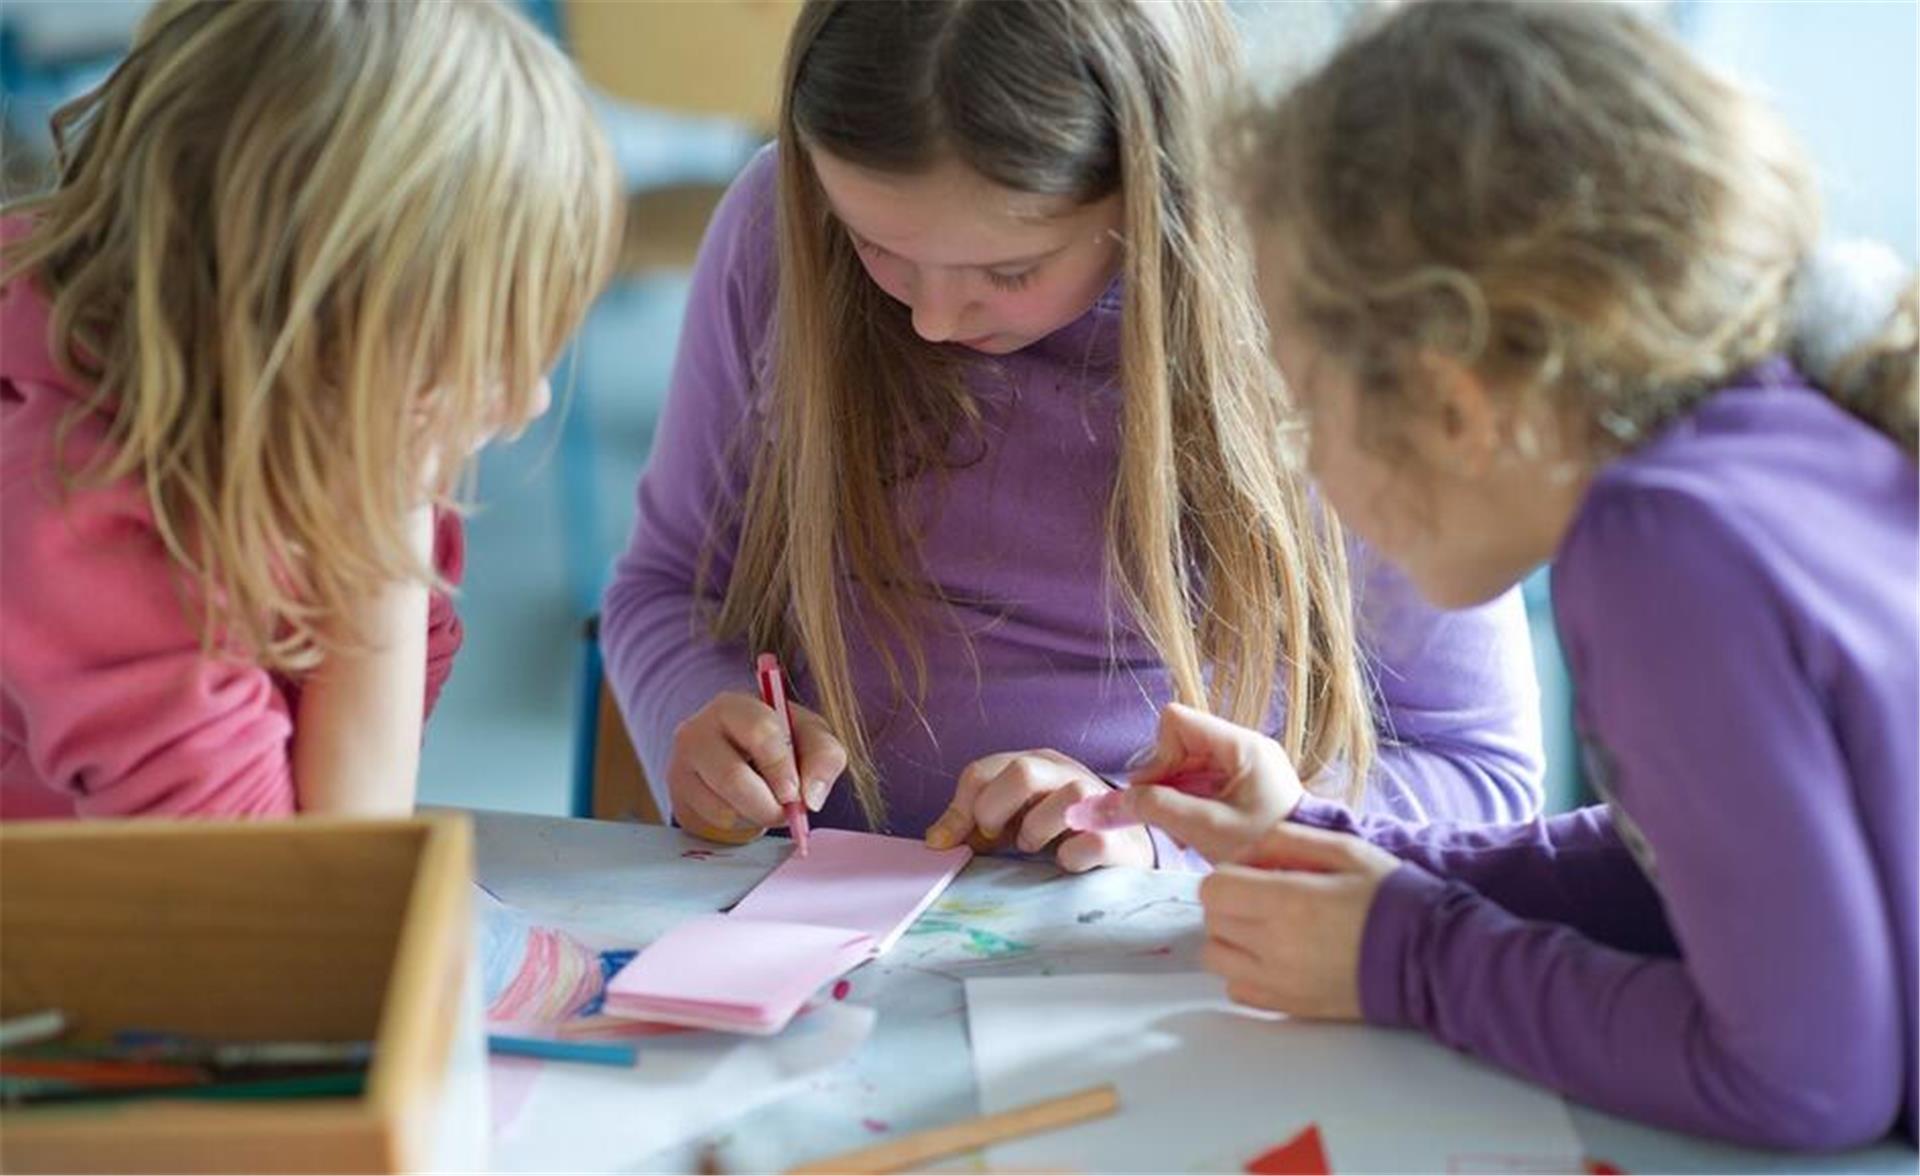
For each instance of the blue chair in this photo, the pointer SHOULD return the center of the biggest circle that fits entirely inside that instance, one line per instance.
(608, 782)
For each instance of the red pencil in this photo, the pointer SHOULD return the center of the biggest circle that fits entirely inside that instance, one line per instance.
(773, 692)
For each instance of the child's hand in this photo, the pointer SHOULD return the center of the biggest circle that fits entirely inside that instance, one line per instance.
(732, 767)
(1285, 929)
(1026, 795)
(1261, 789)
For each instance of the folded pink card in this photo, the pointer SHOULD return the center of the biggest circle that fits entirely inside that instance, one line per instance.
(810, 920)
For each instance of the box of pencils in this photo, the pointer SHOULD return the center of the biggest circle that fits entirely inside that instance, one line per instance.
(286, 996)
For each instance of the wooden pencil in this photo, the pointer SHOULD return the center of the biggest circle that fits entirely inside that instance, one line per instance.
(969, 1134)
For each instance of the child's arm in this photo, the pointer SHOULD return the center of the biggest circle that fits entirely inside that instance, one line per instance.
(1459, 703)
(356, 748)
(1781, 1024)
(1570, 869)
(660, 661)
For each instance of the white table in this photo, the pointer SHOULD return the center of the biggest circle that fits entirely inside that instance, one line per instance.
(1001, 917)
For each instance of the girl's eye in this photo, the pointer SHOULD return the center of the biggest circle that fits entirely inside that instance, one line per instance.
(1010, 281)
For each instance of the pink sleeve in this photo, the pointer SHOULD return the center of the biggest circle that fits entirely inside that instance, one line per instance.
(119, 708)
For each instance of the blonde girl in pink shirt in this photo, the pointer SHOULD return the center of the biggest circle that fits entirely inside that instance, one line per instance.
(299, 262)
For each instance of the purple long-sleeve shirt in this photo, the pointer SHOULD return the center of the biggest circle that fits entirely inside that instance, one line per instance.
(1019, 536)
(1727, 946)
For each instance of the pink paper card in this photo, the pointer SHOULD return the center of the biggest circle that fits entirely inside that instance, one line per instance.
(722, 972)
(750, 970)
(861, 881)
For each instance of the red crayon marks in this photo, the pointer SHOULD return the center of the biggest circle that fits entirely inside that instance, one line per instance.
(841, 988)
(1602, 1168)
(877, 1126)
(699, 855)
(1302, 1155)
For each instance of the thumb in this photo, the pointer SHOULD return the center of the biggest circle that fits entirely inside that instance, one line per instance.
(1219, 831)
(1288, 846)
(956, 824)
(1188, 735)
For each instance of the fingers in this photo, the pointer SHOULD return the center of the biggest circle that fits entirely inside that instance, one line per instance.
(737, 784)
(823, 758)
(1218, 830)
(1091, 851)
(1047, 819)
(1256, 996)
(1241, 892)
(1000, 796)
(1234, 964)
(1189, 735)
(957, 823)
(703, 814)
(758, 734)
(1024, 782)
(724, 747)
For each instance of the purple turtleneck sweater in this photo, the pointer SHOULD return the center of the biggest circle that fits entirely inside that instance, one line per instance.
(1019, 536)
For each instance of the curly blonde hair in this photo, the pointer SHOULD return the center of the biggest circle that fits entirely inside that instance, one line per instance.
(1558, 197)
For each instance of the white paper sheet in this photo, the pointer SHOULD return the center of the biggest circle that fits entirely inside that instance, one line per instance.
(583, 1118)
(1208, 1086)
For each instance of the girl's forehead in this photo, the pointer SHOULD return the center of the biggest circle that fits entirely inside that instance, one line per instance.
(949, 215)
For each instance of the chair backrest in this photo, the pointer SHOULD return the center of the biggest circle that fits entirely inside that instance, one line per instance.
(719, 57)
(620, 791)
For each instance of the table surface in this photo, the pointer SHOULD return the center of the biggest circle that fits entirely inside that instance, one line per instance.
(1001, 917)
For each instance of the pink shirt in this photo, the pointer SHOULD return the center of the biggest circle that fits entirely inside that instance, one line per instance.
(108, 705)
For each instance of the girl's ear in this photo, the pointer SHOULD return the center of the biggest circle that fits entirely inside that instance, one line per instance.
(1463, 428)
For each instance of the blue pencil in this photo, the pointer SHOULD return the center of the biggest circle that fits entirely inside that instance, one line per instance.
(600, 1053)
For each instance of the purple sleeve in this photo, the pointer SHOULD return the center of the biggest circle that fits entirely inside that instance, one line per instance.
(1571, 869)
(1780, 1023)
(660, 659)
(1457, 702)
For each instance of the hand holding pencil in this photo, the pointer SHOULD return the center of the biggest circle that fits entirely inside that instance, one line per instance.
(738, 769)
(1251, 784)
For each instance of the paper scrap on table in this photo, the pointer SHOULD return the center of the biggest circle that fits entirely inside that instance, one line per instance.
(1181, 1052)
(813, 918)
(533, 973)
(597, 1119)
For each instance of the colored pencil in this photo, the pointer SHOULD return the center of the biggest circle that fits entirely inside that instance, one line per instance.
(917, 1149)
(601, 1053)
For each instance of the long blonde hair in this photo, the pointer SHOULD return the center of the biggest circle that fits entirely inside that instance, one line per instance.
(300, 251)
(1560, 198)
(1229, 565)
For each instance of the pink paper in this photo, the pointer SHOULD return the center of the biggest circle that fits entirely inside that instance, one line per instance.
(862, 881)
(1107, 810)
(722, 972)
(813, 918)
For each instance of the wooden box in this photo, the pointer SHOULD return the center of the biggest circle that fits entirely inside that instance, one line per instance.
(289, 930)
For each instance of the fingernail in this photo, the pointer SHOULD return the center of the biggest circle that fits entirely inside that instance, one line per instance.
(787, 791)
(1142, 758)
(940, 836)
(816, 794)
